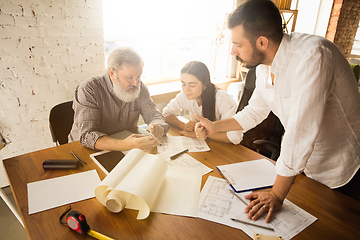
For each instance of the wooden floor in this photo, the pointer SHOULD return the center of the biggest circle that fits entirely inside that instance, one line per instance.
(10, 228)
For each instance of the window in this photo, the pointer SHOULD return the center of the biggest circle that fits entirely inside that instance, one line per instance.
(356, 45)
(167, 34)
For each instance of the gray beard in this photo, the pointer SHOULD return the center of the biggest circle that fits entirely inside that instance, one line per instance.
(123, 95)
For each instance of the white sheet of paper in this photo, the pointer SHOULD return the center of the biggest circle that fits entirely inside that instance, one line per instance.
(180, 192)
(185, 160)
(172, 144)
(145, 180)
(219, 205)
(55, 192)
(250, 175)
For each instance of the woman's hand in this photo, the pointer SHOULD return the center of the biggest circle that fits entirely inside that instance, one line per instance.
(188, 134)
(189, 126)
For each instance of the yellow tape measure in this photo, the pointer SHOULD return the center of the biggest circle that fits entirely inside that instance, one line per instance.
(258, 236)
(98, 235)
(76, 221)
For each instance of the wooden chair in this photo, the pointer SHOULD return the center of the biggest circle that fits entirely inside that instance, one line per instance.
(266, 137)
(60, 120)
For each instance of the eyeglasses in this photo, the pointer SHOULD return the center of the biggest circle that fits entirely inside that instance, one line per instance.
(132, 79)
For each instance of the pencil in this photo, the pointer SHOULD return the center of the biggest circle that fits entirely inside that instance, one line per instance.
(178, 154)
(238, 197)
(252, 224)
(79, 159)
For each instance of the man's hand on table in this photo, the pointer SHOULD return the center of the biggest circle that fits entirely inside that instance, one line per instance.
(263, 202)
(269, 201)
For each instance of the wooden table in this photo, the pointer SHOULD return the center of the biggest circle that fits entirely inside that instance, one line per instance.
(338, 215)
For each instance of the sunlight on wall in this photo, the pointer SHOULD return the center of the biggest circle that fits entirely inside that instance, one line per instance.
(167, 34)
(313, 16)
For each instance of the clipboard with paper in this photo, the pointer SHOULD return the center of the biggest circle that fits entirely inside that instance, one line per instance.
(249, 176)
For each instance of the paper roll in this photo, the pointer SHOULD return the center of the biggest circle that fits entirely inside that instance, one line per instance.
(114, 202)
(134, 183)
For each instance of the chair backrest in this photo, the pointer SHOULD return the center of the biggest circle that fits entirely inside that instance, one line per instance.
(61, 119)
(356, 70)
(270, 129)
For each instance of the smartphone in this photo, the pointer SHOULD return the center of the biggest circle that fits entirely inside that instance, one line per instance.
(145, 132)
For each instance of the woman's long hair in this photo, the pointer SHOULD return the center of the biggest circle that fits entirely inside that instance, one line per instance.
(201, 72)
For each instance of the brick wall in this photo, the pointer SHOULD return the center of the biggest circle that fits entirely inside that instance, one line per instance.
(343, 24)
(46, 49)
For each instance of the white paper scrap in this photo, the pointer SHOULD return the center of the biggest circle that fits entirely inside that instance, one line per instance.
(55, 192)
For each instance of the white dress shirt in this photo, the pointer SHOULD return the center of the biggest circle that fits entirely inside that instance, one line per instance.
(316, 97)
(225, 107)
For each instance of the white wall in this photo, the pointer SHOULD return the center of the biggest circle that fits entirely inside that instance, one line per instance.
(46, 49)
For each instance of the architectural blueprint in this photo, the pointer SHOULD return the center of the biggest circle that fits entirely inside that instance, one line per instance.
(218, 204)
(178, 143)
(185, 160)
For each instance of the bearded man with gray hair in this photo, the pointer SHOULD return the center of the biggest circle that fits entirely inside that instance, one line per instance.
(113, 102)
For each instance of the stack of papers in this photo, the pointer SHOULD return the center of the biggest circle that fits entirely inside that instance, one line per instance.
(249, 176)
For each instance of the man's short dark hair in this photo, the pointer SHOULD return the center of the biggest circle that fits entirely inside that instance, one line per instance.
(258, 18)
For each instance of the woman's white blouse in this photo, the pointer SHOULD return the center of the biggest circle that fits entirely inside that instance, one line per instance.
(225, 107)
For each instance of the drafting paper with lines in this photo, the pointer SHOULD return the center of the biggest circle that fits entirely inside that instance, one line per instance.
(218, 204)
(185, 160)
(178, 143)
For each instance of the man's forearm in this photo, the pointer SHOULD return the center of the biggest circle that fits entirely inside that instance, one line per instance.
(282, 186)
(110, 144)
(220, 137)
(228, 124)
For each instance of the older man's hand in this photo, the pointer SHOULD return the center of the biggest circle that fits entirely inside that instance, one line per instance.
(156, 130)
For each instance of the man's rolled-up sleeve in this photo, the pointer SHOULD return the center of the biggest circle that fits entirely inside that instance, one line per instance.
(149, 111)
(86, 118)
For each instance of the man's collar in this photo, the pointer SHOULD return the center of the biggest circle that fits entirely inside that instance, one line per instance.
(109, 84)
(280, 56)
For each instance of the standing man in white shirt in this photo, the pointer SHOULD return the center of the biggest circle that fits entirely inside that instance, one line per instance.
(307, 82)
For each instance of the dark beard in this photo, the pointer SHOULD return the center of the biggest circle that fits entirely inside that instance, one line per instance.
(247, 65)
(256, 59)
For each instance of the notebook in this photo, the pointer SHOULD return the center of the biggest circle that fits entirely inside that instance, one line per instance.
(250, 175)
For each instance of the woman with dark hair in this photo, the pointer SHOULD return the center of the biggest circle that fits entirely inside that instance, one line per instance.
(199, 96)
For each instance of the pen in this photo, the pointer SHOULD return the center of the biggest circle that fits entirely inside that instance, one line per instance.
(79, 159)
(227, 179)
(252, 224)
(152, 127)
(238, 197)
(146, 132)
(178, 154)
